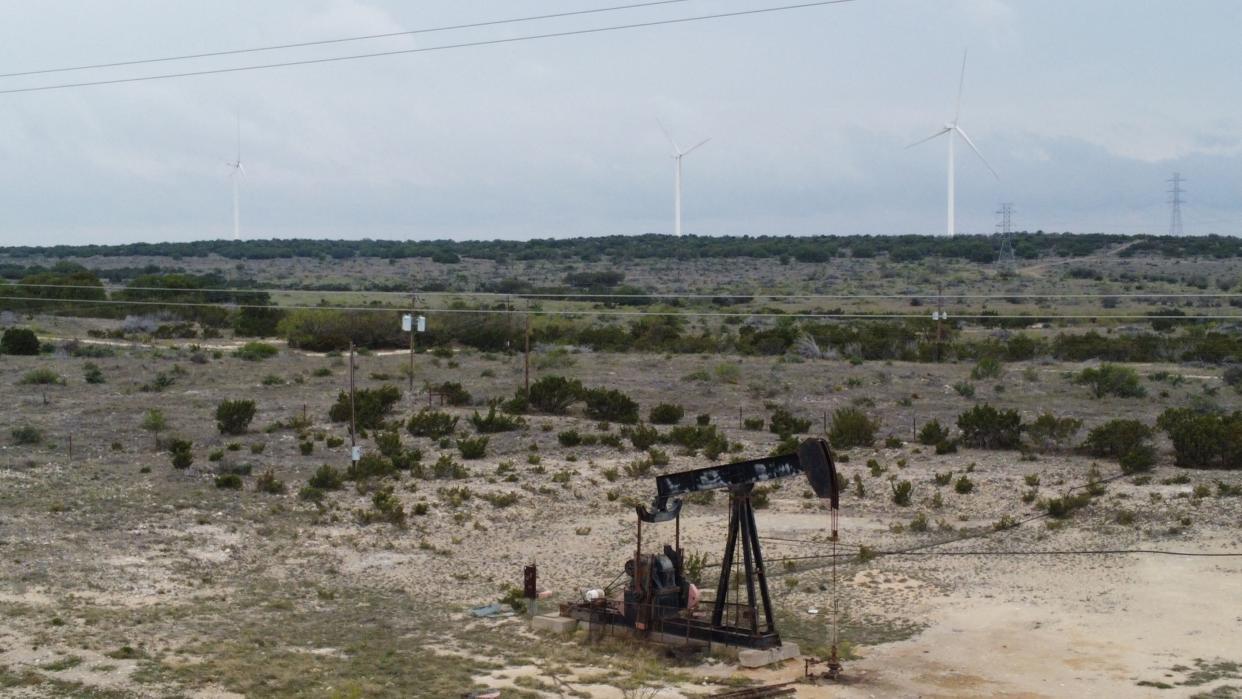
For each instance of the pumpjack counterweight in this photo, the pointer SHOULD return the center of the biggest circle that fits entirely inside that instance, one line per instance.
(659, 599)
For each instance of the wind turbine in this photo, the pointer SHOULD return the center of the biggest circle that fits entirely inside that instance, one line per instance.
(238, 171)
(678, 154)
(953, 130)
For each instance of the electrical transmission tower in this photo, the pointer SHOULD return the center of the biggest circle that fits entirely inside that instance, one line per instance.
(1006, 257)
(1176, 201)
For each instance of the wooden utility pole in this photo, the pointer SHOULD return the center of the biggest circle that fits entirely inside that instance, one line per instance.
(528, 356)
(413, 329)
(353, 428)
(939, 318)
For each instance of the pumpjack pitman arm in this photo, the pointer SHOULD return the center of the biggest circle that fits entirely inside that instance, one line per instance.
(813, 458)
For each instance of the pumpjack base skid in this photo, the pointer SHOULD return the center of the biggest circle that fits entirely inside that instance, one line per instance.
(673, 627)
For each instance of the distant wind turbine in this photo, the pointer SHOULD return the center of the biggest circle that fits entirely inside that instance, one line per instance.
(678, 154)
(953, 130)
(238, 171)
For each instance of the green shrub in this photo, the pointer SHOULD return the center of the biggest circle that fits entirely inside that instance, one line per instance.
(753, 423)
(385, 507)
(554, 394)
(948, 446)
(268, 483)
(234, 416)
(1116, 437)
(19, 341)
(332, 442)
(1063, 507)
(255, 351)
(943, 478)
(42, 377)
(964, 485)
(216, 455)
(986, 368)
(986, 427)
(181, 452)
(932, 433)
(727, 372)
(703, 420)
(1204, 440)
(1139, 458)
(666, 414)
(610, 404)
(496, 422)
(964, 389)
(1111, 380)
(1233, 377)
(850, 427)
(569, 438)
(472, 448)
(371, 465)
(431, 423)
(501, 500)
(445, 468)
(26, 435)
(902, 491)
(1049, 432)
(307, 448)
(452, 392)
(642, 436)
(229, 481)
(92, 374)
(696, 437)
(784, 423)
(326, 478)
(371, 406)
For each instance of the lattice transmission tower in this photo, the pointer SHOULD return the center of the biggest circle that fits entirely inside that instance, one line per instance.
(1006, 258)
(1175, 203)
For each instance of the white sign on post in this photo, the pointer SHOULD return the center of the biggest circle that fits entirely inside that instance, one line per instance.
(407, 322)
(422, 324)
(356, 454)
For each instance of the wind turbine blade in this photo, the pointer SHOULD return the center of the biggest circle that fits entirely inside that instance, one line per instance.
(961, 83)
(976, 150)
(241, 168)
(938, 134)
(671, 141)
(697, 146)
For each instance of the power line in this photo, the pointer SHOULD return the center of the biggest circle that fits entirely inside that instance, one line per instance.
(342, 40)
(444, 47)
(592, 312)
(534, 295)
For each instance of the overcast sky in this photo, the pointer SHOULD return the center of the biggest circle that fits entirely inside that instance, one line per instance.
(1084, 108)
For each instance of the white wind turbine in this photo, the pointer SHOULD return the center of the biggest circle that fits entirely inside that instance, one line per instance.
(238, 171)
(678, 154)
(953, 130)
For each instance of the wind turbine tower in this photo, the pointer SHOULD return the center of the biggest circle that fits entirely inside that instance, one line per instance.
(238, 171)
(954, 130)
(1175, 202)
(678, 154)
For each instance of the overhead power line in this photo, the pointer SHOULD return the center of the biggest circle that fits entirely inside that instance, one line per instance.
(655, 295)
(635, 314)
(428, 49)
(341, 40)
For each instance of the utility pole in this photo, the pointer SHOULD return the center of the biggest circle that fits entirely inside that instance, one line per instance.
(1006, 258)
(1175, 202)
(413, 303)
(939, 317)
(527, 360)
(353, 427)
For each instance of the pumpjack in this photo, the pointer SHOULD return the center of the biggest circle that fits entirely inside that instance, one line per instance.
(658, 598)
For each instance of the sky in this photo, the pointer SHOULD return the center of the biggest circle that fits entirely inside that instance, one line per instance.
(1085, 109)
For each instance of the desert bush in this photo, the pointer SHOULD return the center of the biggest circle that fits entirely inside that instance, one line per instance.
(1140, 457)
(496, 422)
(501, 500)
(695, 437)
(727, 372)
(658, 457)
(267, 482)
(1111, 380)
(902, 491)
(850, 427)
(569, 438)
(1233, 377)
(932, 433)
(256, 351)
(986, 368)
(1063, 507)
(229, 481)
(307, 447)
(554, 394)
(784, 423)
(92, 374)
(431, 423)
(42, 377)
(704, 419)
(964, 485)
(234, 416)
(1050, 432)
(452, 392)
(154, 422)
(26, 435)
(948, 446)
(986, 427)
(666, 414)
(753, 423)
(331, 442)
(964, 389)
(371, 406)
(19, 341)
(181, 451)
(385, 507)
(1115, 438)
(610, 404)
(371, 465)
(326, 478)
(1204, 440)
(642, 436)
(215, 456)
(472, 447)
(943, 478)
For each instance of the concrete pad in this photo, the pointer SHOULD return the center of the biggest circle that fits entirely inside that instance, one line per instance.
(554, 623)
(750, 657)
